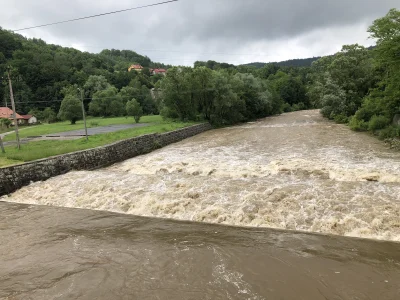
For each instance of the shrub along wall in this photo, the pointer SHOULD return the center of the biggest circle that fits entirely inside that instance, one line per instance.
(15, 177)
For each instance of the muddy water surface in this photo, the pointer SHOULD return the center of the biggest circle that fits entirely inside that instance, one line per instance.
(296, 171)
(57, 253)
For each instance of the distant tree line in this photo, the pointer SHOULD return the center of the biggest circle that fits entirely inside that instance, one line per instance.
(298, 62)
(233, 95)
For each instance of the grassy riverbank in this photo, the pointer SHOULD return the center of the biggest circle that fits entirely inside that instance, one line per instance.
(42, 149)
(44, 129)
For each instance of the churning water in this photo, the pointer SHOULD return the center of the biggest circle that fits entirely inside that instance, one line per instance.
(295, 171)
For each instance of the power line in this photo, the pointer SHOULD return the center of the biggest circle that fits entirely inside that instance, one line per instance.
(98, 15)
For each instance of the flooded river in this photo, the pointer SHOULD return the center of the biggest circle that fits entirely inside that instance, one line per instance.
(294, 172)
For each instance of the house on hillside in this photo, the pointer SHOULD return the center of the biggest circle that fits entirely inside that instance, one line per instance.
(7, 113)
(159, 71)
(29, 119)
(137, 68)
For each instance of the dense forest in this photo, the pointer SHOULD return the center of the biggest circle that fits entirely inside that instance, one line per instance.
(42, 73)
(359, 86)
(232, 95)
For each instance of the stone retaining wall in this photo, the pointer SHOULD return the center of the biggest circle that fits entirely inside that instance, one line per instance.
(15, 177)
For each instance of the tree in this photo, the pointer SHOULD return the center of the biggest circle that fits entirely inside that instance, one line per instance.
(134, 109)
(252, 90)
(146, 101)
(291, 89)
(37, 113)
(49, 115)
(178, 96)
(227, 107)
(70, 109)
(387, 32)
(128, 92)
(343, 81)
(146, 71)
(334, 100)
(204, 87)
(107, 103)
(9, 43)
(95, 84)
(5, 122)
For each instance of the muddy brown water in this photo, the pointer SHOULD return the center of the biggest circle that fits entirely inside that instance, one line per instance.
(59, 253)
(294, 172)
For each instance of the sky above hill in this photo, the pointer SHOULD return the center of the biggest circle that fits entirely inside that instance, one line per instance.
(179, 33)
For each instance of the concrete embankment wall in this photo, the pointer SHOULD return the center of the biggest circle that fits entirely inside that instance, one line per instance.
(15, 177)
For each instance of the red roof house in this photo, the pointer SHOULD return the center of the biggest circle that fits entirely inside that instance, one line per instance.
(29, 119)
(6, 113)
(159, 71)
(138, 68)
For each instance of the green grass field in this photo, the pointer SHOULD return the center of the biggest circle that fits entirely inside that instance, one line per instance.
(42, 149)
(43, 129)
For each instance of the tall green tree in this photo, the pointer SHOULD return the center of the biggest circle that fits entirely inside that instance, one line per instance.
(134, 109)
(227, 107)
(49, 115)
(291, 89)
(178, 96)
(94, 84)
(107, 103)
(342, 81)
(70, 109)
(203, 86)
(386, 31)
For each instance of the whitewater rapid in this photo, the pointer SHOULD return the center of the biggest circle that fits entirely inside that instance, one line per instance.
(296, 171)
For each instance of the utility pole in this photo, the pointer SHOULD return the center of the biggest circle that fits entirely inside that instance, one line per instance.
(1, 145)
(83, 113)
(13, 108)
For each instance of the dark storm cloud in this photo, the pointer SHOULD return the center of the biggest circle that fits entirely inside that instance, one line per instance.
(188, 28)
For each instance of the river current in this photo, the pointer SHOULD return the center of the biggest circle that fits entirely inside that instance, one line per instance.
(154, 227)
(296, 171)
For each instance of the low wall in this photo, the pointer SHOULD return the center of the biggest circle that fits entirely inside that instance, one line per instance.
(15, 177)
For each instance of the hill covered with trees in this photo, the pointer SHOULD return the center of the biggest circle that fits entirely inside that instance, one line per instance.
(42, 72)
(298, 62)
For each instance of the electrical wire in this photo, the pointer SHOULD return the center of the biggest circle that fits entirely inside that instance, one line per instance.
(98, 15)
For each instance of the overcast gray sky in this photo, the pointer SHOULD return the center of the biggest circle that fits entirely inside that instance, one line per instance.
(233, 31)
